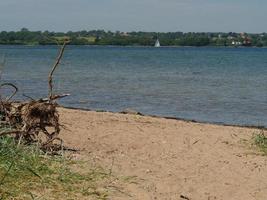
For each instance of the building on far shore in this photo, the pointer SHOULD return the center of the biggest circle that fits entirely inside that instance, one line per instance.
(247, 41)
(236, 43)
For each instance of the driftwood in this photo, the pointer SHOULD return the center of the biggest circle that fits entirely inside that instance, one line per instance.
(35, 121)
(50, 83)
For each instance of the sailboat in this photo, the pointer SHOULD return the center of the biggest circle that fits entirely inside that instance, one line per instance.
(157, 44)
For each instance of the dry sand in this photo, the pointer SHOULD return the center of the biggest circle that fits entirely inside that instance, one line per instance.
(169, 158)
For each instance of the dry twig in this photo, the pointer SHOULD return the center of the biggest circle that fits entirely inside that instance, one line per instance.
(50, 80)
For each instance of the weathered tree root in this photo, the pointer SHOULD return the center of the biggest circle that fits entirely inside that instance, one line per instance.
(36, 121)
(33, 122)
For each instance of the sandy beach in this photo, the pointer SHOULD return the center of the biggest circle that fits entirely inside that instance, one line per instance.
(169, 159)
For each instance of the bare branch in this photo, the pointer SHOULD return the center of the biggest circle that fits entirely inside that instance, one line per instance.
(28, 97)
(2, 64)
(9, 132)
(50, 81)
(54, 97)
(12, 85)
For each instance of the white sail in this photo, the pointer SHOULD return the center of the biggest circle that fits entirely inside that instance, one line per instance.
(157, 44)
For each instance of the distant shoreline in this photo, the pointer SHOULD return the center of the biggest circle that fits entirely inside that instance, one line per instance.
(174, 46)
(118, 38)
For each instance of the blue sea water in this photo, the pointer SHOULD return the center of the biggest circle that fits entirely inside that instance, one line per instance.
(219, 85)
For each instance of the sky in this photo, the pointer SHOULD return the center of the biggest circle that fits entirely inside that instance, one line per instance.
(135, 15)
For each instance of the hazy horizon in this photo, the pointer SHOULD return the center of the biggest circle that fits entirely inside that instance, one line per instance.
(138, 15)
(113, 31)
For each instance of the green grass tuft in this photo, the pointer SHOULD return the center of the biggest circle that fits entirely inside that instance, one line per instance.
(27, 173)
(260, 141)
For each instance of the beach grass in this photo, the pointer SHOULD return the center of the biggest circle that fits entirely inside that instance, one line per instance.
(260, 141)
(28, 173)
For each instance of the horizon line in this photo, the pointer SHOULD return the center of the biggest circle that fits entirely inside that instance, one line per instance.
(105, 30)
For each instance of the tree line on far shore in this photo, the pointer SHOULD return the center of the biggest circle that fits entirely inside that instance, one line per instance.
(101, 37)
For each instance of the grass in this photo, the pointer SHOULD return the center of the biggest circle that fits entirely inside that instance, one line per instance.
(27, 173)
(260, 141)
(89, 39)
(62, 38)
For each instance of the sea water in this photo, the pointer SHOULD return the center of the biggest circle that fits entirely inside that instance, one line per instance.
(218, 85)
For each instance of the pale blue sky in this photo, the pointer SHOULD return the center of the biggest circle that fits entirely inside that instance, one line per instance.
(135, 15)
